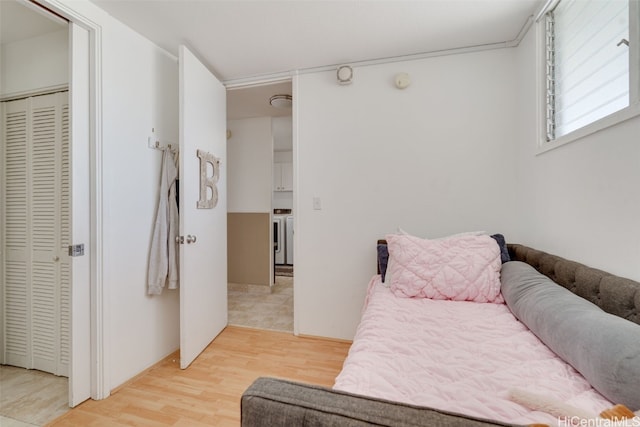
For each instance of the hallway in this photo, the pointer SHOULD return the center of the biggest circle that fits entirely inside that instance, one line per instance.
(254, 306)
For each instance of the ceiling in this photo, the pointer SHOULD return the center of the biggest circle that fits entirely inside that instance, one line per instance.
(244, 39)
(18, 22)
(241, 39)
(253, 101)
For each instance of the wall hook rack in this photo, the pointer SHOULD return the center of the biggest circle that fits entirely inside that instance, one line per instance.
(156, 144)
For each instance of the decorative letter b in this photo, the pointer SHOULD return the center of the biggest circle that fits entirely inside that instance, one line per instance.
(208, 181)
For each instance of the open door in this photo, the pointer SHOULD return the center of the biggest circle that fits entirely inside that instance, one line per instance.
(203, 252)
(80, 372)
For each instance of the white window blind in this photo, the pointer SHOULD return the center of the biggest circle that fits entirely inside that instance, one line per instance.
(587, 66)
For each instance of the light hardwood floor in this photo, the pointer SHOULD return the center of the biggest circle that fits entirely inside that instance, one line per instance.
(208, 392)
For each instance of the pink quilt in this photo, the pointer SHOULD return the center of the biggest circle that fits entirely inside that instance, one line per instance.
(457, 356)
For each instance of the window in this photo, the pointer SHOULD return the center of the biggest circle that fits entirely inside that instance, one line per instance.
(591, 70)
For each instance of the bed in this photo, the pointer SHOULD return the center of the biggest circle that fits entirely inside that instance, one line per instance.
(430, 356)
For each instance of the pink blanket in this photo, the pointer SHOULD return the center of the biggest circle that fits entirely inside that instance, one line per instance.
(457, 356)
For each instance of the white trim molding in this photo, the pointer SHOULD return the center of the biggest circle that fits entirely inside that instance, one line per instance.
(100, 388)
(604, 123)
(28, 93)
(629, 112)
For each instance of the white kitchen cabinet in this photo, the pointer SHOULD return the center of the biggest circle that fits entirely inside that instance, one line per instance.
(283, 176)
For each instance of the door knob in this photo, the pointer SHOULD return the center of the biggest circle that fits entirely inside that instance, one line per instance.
(56, 258)
(189, 239)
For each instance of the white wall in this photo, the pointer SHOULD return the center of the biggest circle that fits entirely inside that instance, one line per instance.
(283, 199)
(434, 159)
(580, 201)
(35, 63)
(282, 133)
(250, 156)
(140, 92)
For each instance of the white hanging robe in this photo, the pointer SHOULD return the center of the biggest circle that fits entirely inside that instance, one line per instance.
(164, 253)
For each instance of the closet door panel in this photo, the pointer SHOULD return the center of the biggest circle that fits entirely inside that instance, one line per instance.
(15, 206)
(36, 231)
(65, 240)
(65, 320)
(43, 167)
(43, 317)
(16, 314)
(15, 212)
(45, 230)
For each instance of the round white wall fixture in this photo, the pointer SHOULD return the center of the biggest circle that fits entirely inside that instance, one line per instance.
(345, 75)
(402, 80)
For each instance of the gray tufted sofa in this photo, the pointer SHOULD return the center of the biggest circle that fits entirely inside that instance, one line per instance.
(277, 402)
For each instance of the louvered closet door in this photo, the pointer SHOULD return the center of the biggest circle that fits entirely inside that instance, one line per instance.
(37, 234)
(15, 216)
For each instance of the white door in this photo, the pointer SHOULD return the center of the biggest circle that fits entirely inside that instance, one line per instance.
(80, 373)
(203, 262)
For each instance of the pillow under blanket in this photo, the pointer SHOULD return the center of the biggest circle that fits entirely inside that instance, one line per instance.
(604, 348)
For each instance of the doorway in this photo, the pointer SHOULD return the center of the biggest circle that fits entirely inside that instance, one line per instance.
(35, 215)
(260, 191)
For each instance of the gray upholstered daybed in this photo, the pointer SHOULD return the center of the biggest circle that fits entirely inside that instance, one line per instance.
(606, 352)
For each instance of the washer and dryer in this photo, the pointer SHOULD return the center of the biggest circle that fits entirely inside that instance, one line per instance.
(289, 240)
(283, 236)
(279, 242)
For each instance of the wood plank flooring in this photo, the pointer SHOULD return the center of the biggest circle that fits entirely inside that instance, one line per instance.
(208, 392)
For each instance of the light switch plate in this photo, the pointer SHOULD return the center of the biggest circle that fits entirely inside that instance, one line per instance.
(317, 203)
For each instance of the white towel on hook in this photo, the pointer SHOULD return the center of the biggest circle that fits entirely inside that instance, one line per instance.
(164, 253)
